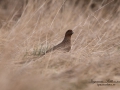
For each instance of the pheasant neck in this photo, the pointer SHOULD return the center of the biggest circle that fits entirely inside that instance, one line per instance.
(67, 39)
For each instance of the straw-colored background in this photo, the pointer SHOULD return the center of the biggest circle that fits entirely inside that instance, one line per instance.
(28, 26)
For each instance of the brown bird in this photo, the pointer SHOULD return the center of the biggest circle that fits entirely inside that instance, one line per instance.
(65, 45)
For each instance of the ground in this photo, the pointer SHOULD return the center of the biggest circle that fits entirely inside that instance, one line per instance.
(30, 27)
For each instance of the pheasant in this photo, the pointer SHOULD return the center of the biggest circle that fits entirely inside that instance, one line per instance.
(65, 45)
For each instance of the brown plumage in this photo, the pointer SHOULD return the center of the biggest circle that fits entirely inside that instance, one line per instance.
(65, 45)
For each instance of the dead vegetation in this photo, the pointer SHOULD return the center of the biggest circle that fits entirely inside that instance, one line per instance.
(29, 27)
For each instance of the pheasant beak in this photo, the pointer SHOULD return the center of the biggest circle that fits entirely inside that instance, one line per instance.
(72, 32)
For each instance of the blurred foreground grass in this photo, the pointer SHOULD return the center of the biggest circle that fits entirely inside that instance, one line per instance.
(26, 25)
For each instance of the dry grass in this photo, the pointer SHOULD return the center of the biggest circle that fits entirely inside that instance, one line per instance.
(29, 28)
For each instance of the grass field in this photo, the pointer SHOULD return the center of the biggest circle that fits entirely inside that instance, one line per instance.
(30, 27)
